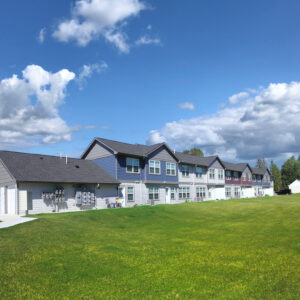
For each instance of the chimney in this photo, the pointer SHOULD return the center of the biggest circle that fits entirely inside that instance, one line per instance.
(66, 159)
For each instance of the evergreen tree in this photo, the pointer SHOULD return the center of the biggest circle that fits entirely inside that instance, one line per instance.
(290, 171)
(276, 177)
(194, 151)
(261, 163)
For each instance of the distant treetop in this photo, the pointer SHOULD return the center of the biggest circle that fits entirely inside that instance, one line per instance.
(194, 151)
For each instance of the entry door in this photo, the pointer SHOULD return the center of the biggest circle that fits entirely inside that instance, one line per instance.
(11, 200)
(168, 196)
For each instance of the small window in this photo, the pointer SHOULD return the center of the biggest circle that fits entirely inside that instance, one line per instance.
(211, 173)
(130, 193)
(153, 193)
(173, 193)
(228, 175)
(228, 192)
(200, 192)
(132, 165)
(199, 172)
(236, 192)
(244, 177)
(170, 169)
(185, 171)
(220, 174)
(154, 167)
(236, 176)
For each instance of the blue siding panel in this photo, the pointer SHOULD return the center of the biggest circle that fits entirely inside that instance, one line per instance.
(162, 176)
(122, 175)
(108, 164)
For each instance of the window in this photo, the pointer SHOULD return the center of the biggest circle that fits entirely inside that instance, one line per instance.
(199, 172)
(211, 173)
(170, 169)
(236, 192)
(130, 193)
(132, 165)
(228, 192)
(185, 171)
(153, 193)
(228, 175)
(220, 174)
(154, 167)
(184, 193)
(249, 177)
(244, 177)
(200, 192)
(254, 177)
(236, 176)
(173, 193)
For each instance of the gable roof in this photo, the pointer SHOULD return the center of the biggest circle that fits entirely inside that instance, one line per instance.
(240, 167)
(128, 149)
(27, 167)
(260, 171)
(204, 161)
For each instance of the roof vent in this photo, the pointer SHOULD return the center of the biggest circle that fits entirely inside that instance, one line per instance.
(41, 157)
(77, 167)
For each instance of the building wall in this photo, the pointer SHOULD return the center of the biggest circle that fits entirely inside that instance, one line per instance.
(216, 165)
(97, 151)
(192, 178)
(121, 170)
(295, 187)
(108, 164)
(5, 178)
(37, 205)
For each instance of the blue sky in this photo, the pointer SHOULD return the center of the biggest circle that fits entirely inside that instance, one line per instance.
(174, 85)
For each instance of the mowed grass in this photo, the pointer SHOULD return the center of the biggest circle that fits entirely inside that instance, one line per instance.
(236, 249)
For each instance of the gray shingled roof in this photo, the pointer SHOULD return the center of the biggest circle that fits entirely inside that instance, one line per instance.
(27, 167)
(240, 167)
(195, 160)
(259, 171)
(131, 149)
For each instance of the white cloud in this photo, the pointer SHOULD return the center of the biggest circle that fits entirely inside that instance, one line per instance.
(88, 70)
(237, 97)
(146, 40)
(93, 18)
(41, 36)
(187, 105)
(29, 107)
(149, 27)
(266, 123)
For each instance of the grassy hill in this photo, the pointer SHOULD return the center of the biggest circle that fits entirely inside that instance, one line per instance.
(236, 249)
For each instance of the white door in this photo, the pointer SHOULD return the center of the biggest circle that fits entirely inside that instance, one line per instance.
(11, 200)
(168, 196)
(2, 201)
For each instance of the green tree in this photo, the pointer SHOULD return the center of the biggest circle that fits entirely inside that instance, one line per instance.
(261, 163)
(194, 151)
(276, 177)
(290, 171)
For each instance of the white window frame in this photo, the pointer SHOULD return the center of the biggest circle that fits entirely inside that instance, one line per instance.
(186, 172)
(172, 168)
(127, 193)
(184, 193)
(226, 174)
(236, 178)
(200, 192)
(199, 174)
(156, 167)
(244, 177)
(228, 194)
(132, 162)
(211, 173)
(153, 193)
(222, 174)
(173, 192)
(237, 193)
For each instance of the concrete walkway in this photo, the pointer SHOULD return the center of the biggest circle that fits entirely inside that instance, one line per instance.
(12, 220)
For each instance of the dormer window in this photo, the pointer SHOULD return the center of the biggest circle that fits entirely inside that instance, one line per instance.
(185, 171)
(132, 165)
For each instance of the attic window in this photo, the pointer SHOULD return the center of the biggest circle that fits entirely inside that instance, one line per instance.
(77, 166)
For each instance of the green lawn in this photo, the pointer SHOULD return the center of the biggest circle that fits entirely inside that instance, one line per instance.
(236, 249)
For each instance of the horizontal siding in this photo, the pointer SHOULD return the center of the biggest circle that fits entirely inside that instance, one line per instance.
(162, 154)
(5, 177)
(108, 164)
(123, 175)
(98, 151)
(163, 177)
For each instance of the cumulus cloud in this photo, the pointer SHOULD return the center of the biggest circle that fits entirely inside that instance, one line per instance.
(93, 18)
(237, 97)
(88, 70)
(187, 105)
(266, 123)
(29, 107)
(41, 36)
(147, 40)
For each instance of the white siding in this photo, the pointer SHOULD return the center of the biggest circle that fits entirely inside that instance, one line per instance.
(295, 187)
